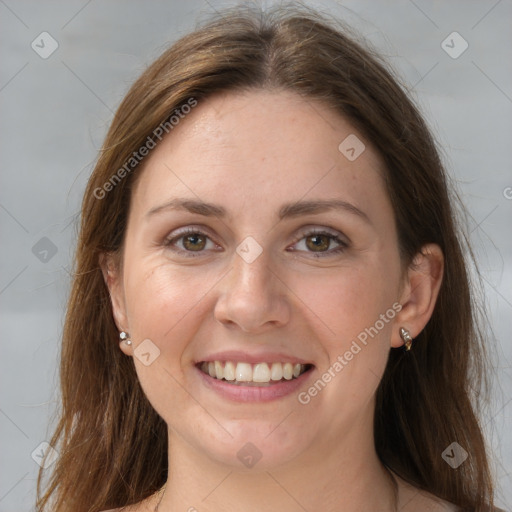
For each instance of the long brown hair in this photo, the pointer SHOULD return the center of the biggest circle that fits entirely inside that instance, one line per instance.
(112, 444)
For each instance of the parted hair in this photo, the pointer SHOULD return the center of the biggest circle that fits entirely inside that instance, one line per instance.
(112, 443)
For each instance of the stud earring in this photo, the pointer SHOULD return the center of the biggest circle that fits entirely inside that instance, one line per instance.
(406, 337)
(123, 336)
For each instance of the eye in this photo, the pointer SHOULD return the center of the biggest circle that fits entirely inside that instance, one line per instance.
(190, 241)
(319, 242)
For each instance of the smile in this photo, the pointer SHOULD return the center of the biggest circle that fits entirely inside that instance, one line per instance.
(247, 374)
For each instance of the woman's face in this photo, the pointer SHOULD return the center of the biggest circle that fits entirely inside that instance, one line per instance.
(233, 264)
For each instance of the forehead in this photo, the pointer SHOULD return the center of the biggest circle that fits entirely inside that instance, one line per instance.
(258, 149)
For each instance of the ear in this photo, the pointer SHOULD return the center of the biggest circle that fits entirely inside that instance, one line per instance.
(112, 274)
(419, 292)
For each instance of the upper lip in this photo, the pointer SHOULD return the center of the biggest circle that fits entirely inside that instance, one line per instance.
(253, 358)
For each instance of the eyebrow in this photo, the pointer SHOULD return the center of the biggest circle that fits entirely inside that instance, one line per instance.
(287, 211)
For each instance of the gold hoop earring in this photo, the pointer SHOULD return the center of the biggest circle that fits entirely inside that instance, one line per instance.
(406, 337)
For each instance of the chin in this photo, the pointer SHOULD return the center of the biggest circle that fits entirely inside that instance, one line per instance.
(256, 445)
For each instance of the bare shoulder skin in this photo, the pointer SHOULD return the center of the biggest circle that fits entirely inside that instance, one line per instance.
(411, 500)
(147, 505)
(414, 500)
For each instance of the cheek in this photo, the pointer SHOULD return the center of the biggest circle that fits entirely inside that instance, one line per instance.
(347, 301)
(355, 306)
(164, 306)
(161, 301)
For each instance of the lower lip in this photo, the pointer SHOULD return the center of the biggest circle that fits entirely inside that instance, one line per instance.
(241, 393)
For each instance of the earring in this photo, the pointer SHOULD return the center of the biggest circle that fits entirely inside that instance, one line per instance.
(406, 337)
(123, 336)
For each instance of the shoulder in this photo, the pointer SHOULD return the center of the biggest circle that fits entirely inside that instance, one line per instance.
(425, 502)
(146, 505)
(143, 506)
(412, 499)
(121, 509)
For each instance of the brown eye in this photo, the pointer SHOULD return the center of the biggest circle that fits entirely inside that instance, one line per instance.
(318, 243)
(321, 244)
(190, 242)
(194, 242)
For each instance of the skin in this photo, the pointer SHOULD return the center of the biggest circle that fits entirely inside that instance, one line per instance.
(251, 153)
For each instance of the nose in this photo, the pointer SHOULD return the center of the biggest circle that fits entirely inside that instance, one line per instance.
(253, 297)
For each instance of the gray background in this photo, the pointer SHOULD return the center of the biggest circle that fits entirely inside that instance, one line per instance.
(54, 115)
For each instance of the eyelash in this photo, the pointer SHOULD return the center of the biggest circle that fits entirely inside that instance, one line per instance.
(343, 244)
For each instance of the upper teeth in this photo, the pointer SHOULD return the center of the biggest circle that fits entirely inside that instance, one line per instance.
(246, 372)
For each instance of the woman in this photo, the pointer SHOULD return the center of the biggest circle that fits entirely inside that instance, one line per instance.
(270, 308)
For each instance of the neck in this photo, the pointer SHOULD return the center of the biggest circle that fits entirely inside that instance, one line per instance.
(328, 475)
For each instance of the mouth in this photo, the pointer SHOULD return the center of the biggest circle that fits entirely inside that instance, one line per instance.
(261, 374)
